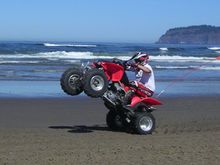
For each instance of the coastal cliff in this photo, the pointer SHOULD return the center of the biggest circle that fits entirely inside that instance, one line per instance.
(203, 34)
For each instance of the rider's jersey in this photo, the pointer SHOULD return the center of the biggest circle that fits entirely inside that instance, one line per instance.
(146, 78)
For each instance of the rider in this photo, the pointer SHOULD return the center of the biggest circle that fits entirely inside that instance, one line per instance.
(144, 74)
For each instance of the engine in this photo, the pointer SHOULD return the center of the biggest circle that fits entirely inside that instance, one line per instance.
(114, 95)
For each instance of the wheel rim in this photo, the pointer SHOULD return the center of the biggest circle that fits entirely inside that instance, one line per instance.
(97, 83)
(72, 81)
(146, 123)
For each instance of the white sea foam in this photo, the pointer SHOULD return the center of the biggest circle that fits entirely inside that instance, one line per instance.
(171, 67)
(189, 67)
(67, 45)
(209, 68)
(214, 48)
(63, 55)
(164, 49)
(73, 61)
(52, 55)
(76, 55)
(18, 62)
(165, 58)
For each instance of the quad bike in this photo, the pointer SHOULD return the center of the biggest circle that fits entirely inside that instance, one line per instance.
(108, 80)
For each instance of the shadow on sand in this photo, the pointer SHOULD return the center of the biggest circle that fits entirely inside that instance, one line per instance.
(82, 128)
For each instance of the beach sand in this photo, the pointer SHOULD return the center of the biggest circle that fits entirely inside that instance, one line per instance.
(73, 131)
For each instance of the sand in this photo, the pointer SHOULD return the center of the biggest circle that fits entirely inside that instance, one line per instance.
(73, 131)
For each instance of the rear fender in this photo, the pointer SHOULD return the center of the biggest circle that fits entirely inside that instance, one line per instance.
(147, 100)
(114, 72)
(151, 101)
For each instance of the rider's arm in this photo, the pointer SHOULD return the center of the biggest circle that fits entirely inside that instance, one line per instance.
(145, 69)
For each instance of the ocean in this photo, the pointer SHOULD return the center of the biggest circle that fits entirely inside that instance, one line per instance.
(33, 69)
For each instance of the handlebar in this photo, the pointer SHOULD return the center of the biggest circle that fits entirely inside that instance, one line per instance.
(125, 64)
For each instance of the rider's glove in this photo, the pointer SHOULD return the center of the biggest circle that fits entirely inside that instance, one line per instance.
(131, 63)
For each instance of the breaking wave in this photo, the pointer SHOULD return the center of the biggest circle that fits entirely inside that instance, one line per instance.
(64, 55)
(67, 45)
(19, 62)
(181, 58)
(214, 48)
(189, 67)
(164, 49)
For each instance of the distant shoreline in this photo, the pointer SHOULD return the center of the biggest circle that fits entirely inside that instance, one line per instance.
(201, 34)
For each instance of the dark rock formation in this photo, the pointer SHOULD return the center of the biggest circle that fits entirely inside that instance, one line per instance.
(203, 34)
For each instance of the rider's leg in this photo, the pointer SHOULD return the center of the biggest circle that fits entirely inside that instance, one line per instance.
(128, 96)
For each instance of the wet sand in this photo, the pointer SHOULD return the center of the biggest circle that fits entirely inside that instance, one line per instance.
(73, 131)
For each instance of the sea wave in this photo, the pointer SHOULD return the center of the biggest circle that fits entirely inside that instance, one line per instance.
(18, 62)
(166, 58)
(214, 48)
(63, 55)
(164, 49)
(209, 68)
(171, 67)
(56, 54)
(67, 45)
(189, 67)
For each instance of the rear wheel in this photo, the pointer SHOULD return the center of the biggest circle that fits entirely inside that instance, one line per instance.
(95, 83)
(71, 81)
(143, 123)
(114, 121)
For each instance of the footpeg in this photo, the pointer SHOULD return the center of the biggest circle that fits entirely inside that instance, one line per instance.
(151, 108)
(129, 109)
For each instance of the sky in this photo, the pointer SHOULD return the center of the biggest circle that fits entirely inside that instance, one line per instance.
(142, 21)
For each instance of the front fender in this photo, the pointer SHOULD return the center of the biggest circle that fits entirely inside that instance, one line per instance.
(113, 71)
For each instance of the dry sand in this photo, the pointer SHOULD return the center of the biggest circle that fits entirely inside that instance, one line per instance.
(73, 131)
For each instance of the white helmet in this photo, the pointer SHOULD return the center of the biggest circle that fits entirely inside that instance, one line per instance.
(140, 57)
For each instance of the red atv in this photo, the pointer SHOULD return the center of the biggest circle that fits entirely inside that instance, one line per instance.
(108, 80)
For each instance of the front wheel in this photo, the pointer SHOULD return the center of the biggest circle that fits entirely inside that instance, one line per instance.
(95, 83)
(143, 123)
